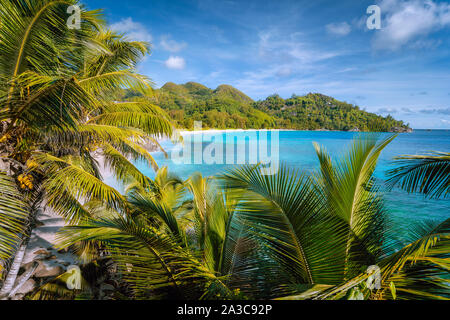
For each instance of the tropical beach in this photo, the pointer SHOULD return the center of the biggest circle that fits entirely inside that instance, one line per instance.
(116, 187)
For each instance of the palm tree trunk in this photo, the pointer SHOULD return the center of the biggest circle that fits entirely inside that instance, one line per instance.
(23, 278)
(11, 277)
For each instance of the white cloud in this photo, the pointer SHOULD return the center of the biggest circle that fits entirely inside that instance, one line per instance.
(175, 62)
(133, 30)
(408, 22)
(290, 49)
(171, 45)
(386, 111)
(339, 29)
(284, 72)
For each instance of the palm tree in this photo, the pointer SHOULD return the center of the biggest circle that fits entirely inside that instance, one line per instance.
(205, 252)
(322, 229)
(328, 230)
(308, 237)
(428, 174)
(58, 117)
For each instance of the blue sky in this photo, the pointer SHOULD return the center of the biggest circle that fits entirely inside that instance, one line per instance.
(264, 47)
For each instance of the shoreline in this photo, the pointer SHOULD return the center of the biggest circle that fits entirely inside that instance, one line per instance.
(185, 132)
(209, 131)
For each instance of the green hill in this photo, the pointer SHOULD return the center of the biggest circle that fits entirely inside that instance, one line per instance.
(319, 112)
(228, 108)
(222, 108)
(227, 91)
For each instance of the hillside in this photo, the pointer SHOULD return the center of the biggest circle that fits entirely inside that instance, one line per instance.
(227, 107)
(316, 111)
(224, 107)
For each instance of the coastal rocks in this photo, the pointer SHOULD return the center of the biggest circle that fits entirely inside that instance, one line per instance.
(28, 286)
(401, 130)
(42, 252)
(46, 271)
(42, 261)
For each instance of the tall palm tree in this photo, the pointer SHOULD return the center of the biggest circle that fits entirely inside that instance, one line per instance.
(58, 117)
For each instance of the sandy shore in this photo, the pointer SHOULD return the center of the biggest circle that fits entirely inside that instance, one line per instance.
(209, 131)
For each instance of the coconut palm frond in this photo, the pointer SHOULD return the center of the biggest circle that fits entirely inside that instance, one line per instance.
(421, 269)
(116, 79)
(63, 175)
(150, 124)
(351, 194)
(123, 169)
(286, 213)
(146, 204)
(137, 152)
(30, 30)
(427, 174)
(122, 54)
(50, 102)
(153, 263)
(14, 216)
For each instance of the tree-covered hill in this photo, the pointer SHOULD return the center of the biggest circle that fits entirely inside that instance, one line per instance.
(228, 108)
(225, 107)
(316, 111)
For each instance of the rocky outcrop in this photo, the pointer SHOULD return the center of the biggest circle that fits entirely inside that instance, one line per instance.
(401, 130)
(42, 261)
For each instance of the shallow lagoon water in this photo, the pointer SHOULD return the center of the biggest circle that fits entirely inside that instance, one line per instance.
(297, 151)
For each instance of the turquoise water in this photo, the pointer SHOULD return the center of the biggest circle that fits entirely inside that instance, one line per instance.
(296, 150)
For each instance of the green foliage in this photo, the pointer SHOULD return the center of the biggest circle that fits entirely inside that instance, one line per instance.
(229, 108)
(59, 118)
(13, 217)
(427, 174)
(246, 235)
(225, 107)
(316, 111)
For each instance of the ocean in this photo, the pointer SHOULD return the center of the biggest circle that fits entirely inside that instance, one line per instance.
(296, 150)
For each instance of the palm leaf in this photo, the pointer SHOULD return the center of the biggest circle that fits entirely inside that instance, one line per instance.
(64, 176)
(286, 214)
(353, 196)
(427, 174)
(150, 261)
(14, 215)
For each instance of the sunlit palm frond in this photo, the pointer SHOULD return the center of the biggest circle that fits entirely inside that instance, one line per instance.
(41, 101)
(14, 216)
(112, 134)
(152, 207)
(288, 216)
(98, 84)
(153, 263)
(420, 270)
(123, 169)
(427, 174)
(150, 124)
(35, 33)
(83, 186)
(123, 54)
(351, 193)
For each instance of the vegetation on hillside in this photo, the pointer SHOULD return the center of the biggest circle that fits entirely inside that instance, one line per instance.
(229, 108)
(316, 111)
